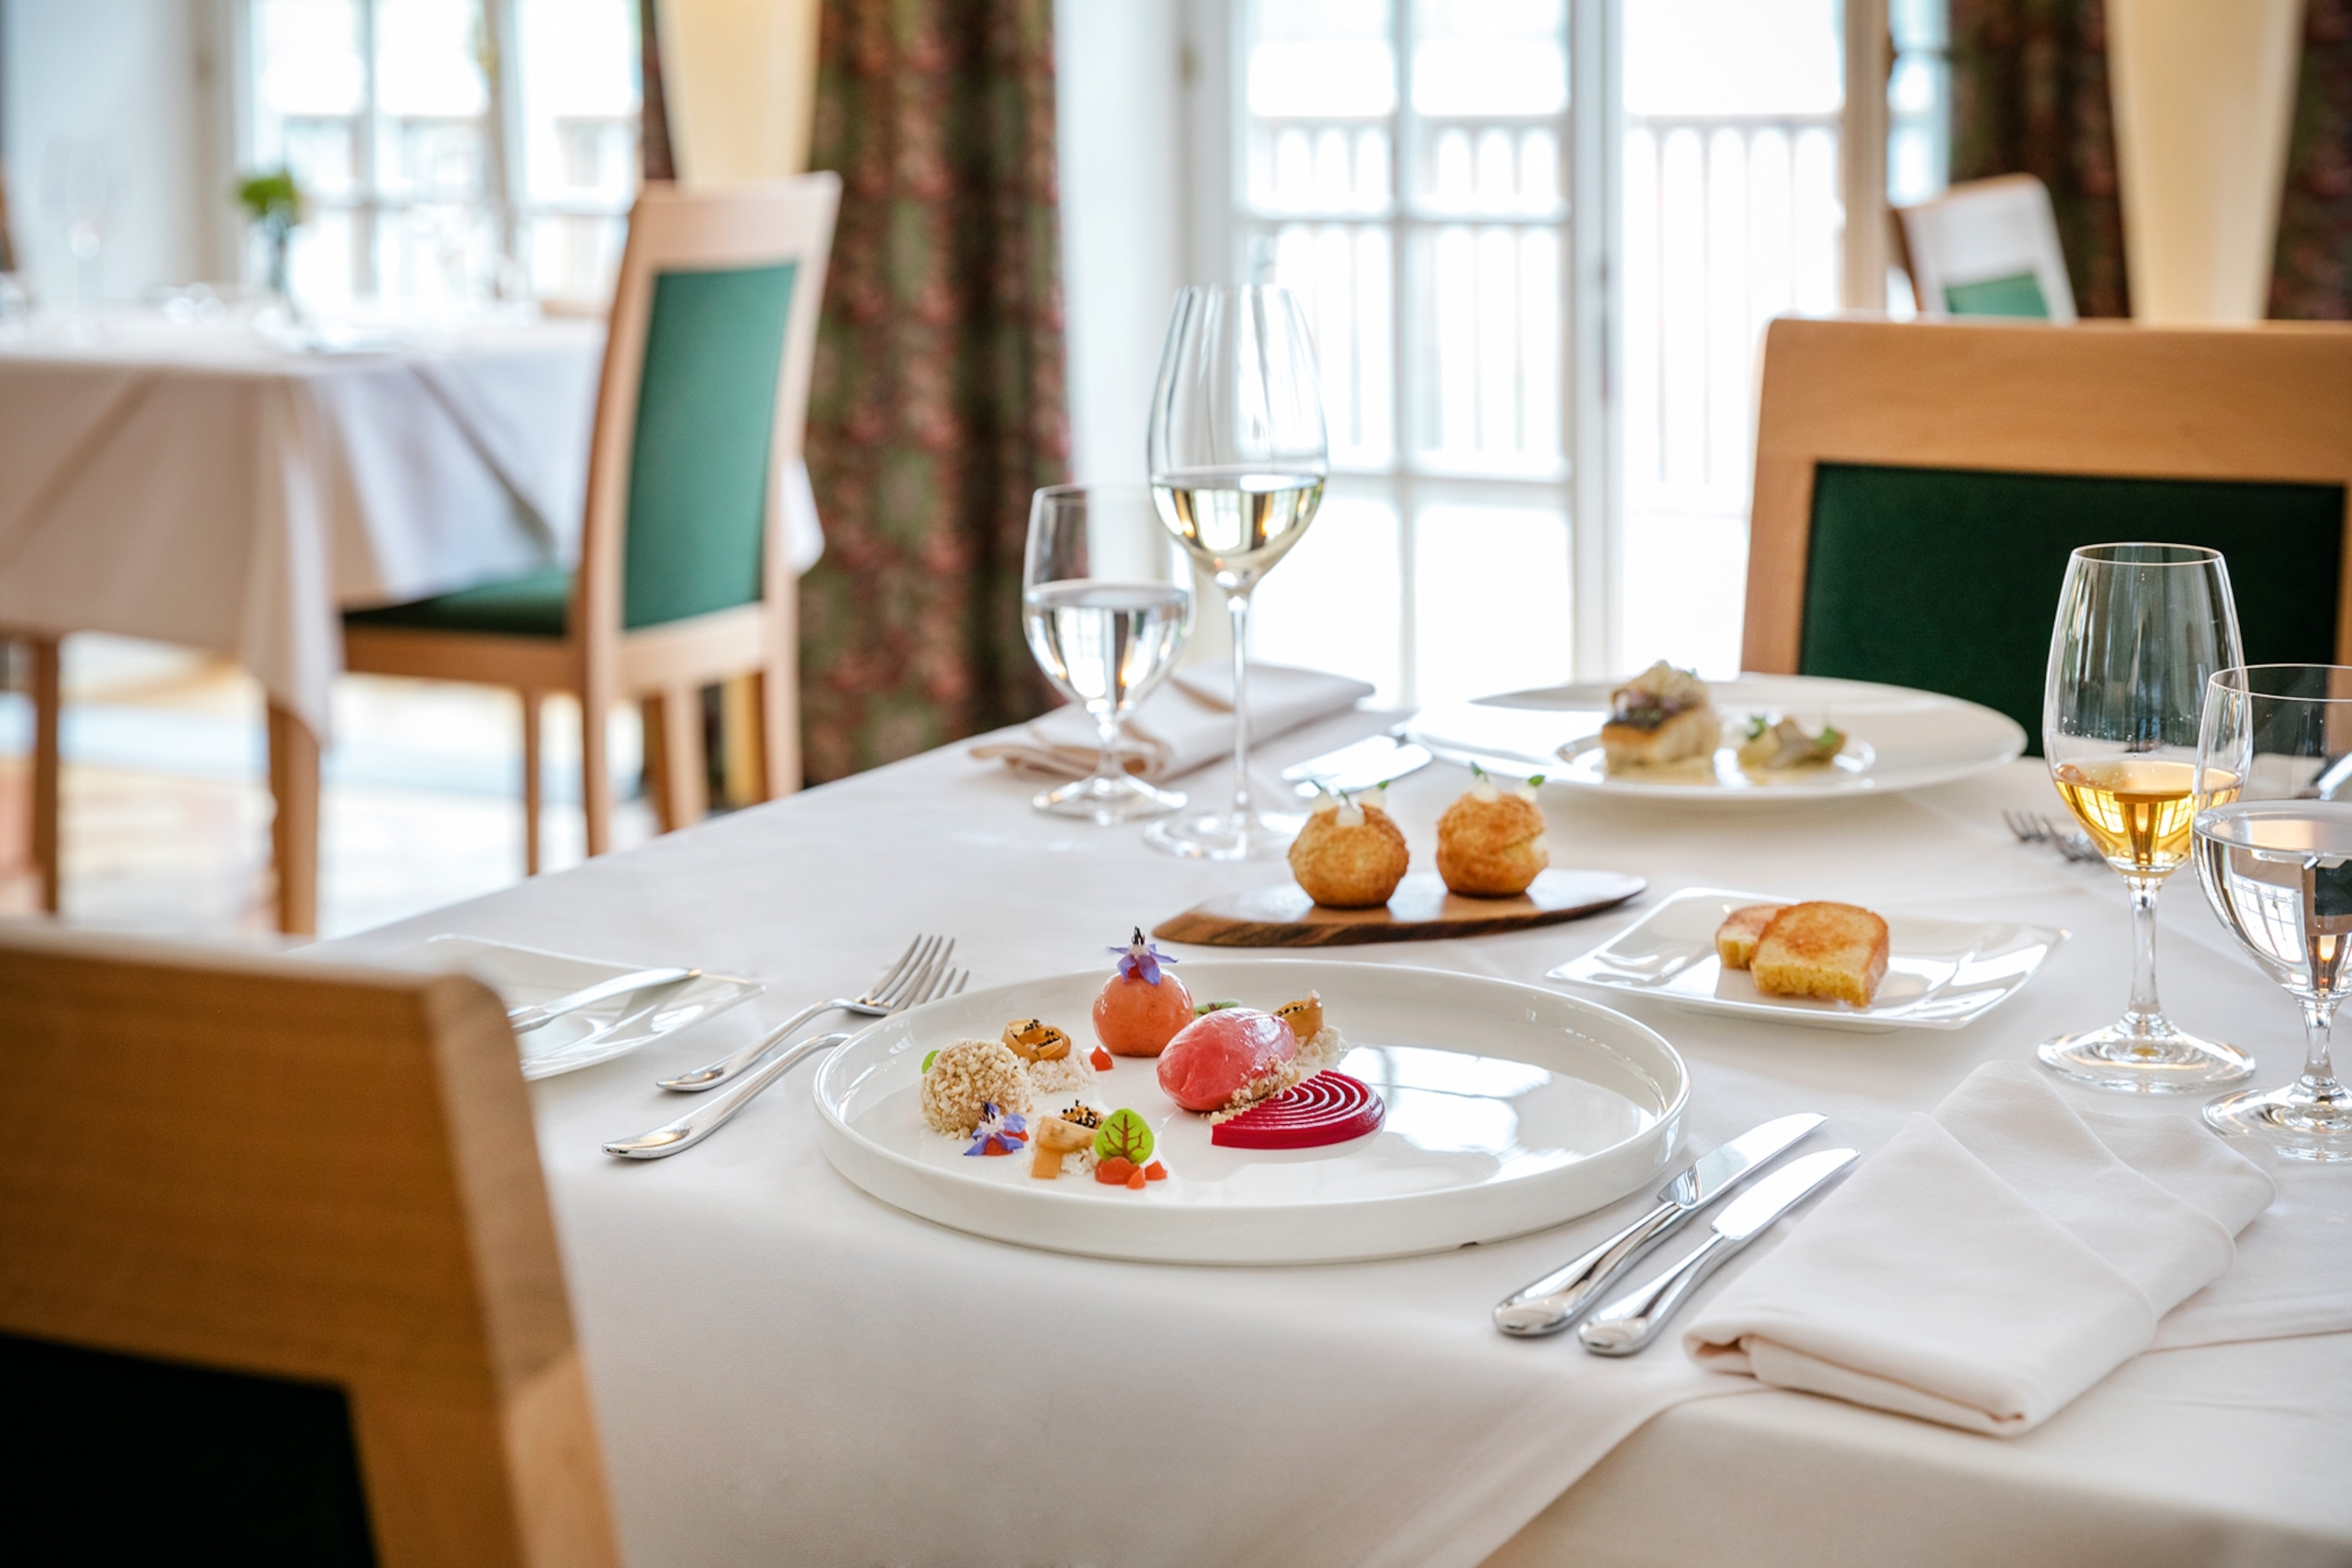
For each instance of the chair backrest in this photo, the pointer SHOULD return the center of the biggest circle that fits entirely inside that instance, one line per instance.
(277, 1277)
(1920, 486)
(704, 400)
(1987, 247)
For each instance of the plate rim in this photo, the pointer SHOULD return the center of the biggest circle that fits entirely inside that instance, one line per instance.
(1783, 1012)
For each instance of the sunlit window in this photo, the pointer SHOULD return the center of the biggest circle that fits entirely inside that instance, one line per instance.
(453, 151)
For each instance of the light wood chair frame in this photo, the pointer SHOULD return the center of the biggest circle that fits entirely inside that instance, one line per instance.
(300, 1171)
(2271, 403)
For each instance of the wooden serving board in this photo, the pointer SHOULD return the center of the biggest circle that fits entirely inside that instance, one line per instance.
(1420, 911)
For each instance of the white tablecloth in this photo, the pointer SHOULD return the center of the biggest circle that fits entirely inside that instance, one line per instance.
(197, 485)
(786, 1370)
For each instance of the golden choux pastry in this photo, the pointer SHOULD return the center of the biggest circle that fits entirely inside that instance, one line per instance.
(1490, 843)
(1348, 857)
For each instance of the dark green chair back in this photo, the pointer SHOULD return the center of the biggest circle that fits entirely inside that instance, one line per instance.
(700, 460)
(117, 1458)
(2018, 296)
(1947, 579)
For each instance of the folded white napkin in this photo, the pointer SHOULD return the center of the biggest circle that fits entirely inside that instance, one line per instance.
(1992, 1261)
(1186, 723)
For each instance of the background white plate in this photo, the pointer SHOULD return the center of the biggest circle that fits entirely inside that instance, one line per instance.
(593, 1035)
(1898, 739)
(1941, 973)
(1510, 1107)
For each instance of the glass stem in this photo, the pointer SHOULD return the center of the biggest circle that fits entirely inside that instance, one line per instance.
(1107, 726)
(2318, 1075)
(1238, 605)
(2144, 1009)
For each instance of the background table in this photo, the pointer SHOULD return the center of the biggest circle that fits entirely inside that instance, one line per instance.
(787, 1370)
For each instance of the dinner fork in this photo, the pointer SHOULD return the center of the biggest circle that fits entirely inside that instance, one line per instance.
(2031, 827)
(886, 996)
(937, 980)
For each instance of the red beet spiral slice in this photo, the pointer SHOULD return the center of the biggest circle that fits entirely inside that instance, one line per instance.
(1329, 1108)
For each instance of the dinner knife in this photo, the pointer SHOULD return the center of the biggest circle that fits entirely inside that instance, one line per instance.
(1560, 1298)
(1628, 1323)
(531, 1016)
(1367, 764)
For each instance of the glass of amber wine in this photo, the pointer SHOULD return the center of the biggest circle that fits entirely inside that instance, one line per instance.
(2141, 628)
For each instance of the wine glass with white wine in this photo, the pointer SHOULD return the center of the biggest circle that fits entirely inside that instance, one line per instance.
(1238, 460)
(2141, 628)
(2274, 830)
(1105, 601)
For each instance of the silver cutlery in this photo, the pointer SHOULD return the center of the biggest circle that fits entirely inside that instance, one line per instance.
(1560, 1298)
(924, 956)
(711, 1115)
(1368, 765)
(1628, 1323)
(531, 1016)
(2033, 827)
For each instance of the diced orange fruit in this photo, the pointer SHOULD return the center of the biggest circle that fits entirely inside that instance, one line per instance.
(1135, 1179)
(1114, 1171)
(1100, 1061)
(1155, 1172)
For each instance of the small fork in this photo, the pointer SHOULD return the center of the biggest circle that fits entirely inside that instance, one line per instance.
(885, 996)
(2033, 827)
(936, 982)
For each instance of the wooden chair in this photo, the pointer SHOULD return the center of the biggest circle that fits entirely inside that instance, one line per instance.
(1920, 486)
(1986, 247)
(281, 1282)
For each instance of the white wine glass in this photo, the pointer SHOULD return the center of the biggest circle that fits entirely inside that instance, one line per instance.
(1107, 603)
(2273, 835)
(2141, 628)
(1238, 460)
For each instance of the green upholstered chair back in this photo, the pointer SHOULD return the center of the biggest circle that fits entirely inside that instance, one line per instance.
(700, 457)
(2019, 295)
(1947, 579)
(119, 1458)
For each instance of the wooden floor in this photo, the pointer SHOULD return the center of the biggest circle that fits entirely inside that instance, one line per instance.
(166, 808)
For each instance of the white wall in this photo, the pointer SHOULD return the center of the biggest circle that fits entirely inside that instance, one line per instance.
(1119, 70)
(149, 76)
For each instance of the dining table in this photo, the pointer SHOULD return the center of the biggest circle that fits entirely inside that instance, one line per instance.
(232, 485)
(788, 1370)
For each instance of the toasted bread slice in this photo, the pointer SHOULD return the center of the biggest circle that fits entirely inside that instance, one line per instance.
(1735, 938)
(1835, 951)
(1693, 732)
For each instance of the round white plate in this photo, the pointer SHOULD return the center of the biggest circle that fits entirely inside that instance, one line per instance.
(1898, 739)
(1510, 1107)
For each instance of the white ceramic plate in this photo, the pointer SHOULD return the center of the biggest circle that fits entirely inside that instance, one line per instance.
(1898, 739)
(1941, 973)
(593, 1035)
(1510, 1108)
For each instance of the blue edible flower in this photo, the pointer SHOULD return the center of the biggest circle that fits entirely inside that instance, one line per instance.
(1138, 960)
(1005, 1133)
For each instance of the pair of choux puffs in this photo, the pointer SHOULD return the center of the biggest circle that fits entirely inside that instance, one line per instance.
(1490, 845)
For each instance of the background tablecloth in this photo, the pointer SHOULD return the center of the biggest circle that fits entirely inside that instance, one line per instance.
(788, 1370)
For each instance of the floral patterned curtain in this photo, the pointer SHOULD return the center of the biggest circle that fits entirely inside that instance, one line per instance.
(2030, 95)
(939, 402)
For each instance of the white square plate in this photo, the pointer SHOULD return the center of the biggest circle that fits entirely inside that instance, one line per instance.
(1941, 973)
(593, 1035)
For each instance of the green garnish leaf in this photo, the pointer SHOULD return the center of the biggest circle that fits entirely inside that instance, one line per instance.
(1536, 781)
(1205, 1008)
(1124, 1135)
(1755, 725)
(1477, 772)
(929, 1060)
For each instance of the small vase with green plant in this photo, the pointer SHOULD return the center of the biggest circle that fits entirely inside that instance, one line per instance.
(276, 205)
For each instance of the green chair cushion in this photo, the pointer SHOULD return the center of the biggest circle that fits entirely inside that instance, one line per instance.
(117, 1458)
(535, 606)
(2018, 296)
(1947, 579)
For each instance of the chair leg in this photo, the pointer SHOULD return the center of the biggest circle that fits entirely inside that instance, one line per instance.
(742, 762)
(596, 767)
(652, 723)
(49, 702)
(294, 831)
(778, 714)
(682, 770)
(531, 783)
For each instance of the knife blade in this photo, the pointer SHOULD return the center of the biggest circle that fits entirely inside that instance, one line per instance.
(1630, 1322)
(1366, 765)
(531, 1016)
(1560, 1298)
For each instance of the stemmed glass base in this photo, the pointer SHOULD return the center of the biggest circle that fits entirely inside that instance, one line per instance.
(1229, 835)
(1107, 800)
(2145, 1054)
(2302, 1121)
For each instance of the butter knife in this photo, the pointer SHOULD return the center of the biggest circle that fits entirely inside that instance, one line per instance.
(1628, 1323)
(1560, 1298)
(531, 1016)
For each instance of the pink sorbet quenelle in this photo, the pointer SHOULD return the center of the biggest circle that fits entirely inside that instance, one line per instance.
(1216, 1057)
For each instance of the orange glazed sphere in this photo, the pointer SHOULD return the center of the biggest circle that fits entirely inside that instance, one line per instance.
(1134, 1018)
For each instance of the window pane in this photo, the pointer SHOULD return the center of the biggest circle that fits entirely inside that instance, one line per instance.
(1321, 59)
(320, 261)
(1337, 602)
(1342, 272)
(1488, 316)
(309, 55)
(1490, 57)
(1493, 600)
(432, 94)
(440, 254)
(1719, 57)
(571, 257)
(579, 69)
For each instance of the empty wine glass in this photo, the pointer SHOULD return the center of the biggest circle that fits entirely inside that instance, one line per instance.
(2274, 855)
(79, 184)
(2141, 628)
(1238, 461)
(1106, 601)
